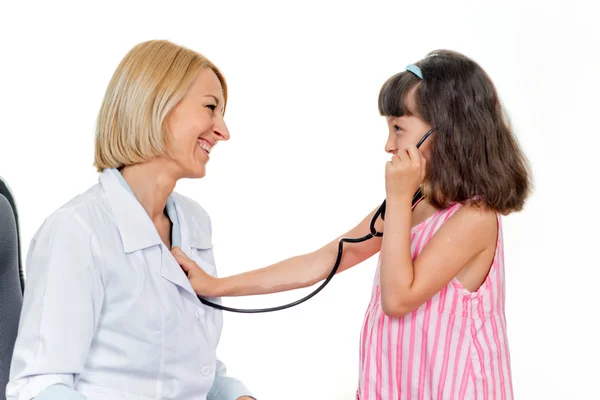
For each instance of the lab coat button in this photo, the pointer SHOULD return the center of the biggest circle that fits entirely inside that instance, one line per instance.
(206, 371)
(198, 314)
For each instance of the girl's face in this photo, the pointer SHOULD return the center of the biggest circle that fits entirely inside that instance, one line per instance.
(407, 131)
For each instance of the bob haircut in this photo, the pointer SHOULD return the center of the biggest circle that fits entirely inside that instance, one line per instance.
(148, 83)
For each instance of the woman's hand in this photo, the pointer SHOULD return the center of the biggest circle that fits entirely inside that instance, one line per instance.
(404, 173)
(203, 283)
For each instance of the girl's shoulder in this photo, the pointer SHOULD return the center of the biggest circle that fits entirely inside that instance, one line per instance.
(472, 217)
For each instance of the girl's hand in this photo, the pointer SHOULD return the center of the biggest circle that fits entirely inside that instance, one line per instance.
(203, 283)
(404, 173)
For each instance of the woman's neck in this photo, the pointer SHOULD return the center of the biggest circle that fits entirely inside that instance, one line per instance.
(152, 184)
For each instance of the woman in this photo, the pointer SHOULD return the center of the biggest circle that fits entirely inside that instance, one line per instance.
(108, 313)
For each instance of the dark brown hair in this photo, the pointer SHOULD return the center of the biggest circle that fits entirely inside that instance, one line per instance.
(475, 157)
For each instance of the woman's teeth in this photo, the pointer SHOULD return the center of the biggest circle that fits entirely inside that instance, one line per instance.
(205, 145)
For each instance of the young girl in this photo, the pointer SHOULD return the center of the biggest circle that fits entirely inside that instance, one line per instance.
(435, 327)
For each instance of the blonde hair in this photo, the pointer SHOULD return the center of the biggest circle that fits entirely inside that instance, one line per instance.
(148, 83)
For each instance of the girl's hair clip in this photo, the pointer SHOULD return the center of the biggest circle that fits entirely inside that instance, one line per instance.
(415, 70)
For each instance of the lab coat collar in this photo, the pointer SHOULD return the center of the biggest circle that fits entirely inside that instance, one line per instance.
(135, 226)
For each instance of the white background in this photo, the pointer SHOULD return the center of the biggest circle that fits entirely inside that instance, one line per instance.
(305, 161)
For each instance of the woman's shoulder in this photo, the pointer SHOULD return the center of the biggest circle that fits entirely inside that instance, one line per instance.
(76, 214)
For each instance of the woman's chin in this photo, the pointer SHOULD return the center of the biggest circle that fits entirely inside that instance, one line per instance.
(199, 171)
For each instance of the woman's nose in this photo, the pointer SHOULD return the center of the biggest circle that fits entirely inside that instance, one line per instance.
(221, 129)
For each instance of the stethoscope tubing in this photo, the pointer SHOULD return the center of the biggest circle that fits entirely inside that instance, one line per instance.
(373, 233)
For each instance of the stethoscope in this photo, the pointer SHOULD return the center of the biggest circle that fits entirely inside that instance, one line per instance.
(380, 212)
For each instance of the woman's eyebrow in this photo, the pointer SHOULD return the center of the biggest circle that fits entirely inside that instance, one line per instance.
(213, 96)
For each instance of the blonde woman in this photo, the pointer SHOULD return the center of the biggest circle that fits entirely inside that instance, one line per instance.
(108, 312)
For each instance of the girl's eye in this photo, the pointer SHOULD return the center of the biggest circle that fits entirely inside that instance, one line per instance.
(397, 128)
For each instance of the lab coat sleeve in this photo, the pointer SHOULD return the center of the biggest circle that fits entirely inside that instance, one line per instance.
(226, 387)
(61, 308)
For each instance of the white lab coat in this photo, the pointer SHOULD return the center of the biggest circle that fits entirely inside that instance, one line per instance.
(108, 311)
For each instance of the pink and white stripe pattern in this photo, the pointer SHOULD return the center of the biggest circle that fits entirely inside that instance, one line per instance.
(452, 347)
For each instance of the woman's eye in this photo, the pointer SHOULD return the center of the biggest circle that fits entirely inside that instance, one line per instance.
(397, 128)
(212, 107)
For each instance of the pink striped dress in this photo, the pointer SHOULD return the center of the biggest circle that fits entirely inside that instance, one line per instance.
(452, 347)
